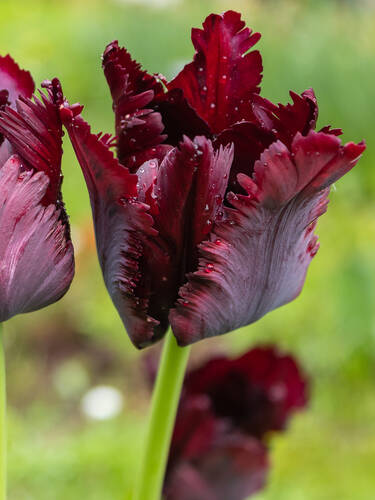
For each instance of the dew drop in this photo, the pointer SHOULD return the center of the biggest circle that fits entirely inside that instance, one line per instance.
(149, 320)
(236, 108)
(132, 140)
(185, 303)
(164, 278)
(209, 268)
(204, 88)
(218, 242)
(223, 78)
(206, 208)
(200, 69)
(212, 105)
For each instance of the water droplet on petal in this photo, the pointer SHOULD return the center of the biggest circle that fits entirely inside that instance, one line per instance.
(218, 242)
(164, 278)
(204, 88)
(209, 268)
(212, 105)
(206, 208)
(200, 69)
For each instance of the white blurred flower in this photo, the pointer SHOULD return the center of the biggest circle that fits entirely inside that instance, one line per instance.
(102, 403)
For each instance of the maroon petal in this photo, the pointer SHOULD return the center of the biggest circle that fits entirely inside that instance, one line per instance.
(221, 81)
(234, 468)
(255, 393)
(283, 383)
(34, 132)
(185, 195)
(138, 127)
(122, 227)
(16, 81)
(37, 263)
(249, 141)
(285, 121)
(179, 118)
(261, 253)
(190, 188)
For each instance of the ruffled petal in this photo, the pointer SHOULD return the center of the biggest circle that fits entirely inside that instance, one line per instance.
(284, 121)
(34, 131)
(139, 128)
(16, 81)
(257, 259)
(221, 81)
(122, 228)
(36, 258)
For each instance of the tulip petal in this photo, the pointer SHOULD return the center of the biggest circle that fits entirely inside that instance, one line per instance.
(267, 243)
(234, 468)
(221, 81)
(270, 123)
(256, 392)
(138, 127)
(124, 234)
(16, 81)
(36, 258)
(34, 132)
(284, 121)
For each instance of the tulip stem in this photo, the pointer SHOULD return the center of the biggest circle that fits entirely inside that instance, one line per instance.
(164, 406)
(3, 432)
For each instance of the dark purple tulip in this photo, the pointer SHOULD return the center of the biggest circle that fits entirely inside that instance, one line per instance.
(36, 253)
(205, 221)
(228, 407)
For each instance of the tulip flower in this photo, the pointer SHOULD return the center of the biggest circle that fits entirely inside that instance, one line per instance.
(227, 410)
(205, 221)
(36, 253)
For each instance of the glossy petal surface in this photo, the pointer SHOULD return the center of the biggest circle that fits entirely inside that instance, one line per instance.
(221, 81)
(262, 252)
(36, 258)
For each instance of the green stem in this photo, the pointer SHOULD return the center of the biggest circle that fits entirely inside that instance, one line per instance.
(3, 432)
(164, 405)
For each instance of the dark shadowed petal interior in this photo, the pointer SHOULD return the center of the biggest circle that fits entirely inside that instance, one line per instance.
(262, 251)
(221, 81)
(37, 263)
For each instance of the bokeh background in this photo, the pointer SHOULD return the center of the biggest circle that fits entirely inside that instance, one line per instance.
(56, 356)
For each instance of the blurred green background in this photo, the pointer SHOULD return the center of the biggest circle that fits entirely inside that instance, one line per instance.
(55, 356)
